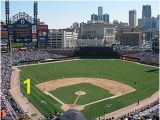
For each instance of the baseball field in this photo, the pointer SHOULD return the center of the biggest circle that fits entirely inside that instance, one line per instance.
(95, 87)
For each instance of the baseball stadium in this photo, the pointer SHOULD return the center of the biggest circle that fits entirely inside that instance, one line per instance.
(80, 83)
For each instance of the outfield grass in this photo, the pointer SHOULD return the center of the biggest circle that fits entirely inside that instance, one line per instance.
(127, 72)
(93, 93)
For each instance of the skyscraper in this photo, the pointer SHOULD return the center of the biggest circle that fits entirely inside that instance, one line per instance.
(100, 18)
(106, 18)
(94, 17)
(140, 24)
(146, 23)
(146, 11)
(100, 13)
(75, 25)
(132, 18)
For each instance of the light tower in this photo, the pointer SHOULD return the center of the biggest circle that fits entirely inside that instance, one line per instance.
(7, 12)
(35, 7)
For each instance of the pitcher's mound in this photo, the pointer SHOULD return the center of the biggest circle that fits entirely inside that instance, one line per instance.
(79, 93)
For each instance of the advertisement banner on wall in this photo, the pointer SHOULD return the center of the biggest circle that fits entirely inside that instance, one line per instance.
(4, 34)
(34, 29)
(42, 31)
(34, 33)
(11, 32)
(34, 37)
(29, 44)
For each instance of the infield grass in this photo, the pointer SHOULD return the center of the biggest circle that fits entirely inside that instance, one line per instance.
(93, 93)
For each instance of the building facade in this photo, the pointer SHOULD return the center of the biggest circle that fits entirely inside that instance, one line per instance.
(100, 13)
(119, 24)
(106, 18)
(149, 26)
(91, 42)
(59, 39)
(100, 18)
(132, 18)
(123, 29)
(75, 25)
(94, 17)
(146, 11)
(98, 31)
(132, 38)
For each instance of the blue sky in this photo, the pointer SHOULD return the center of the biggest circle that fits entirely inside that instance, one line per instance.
(61, 14)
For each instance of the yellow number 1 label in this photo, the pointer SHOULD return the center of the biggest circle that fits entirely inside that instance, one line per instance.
(28, 82)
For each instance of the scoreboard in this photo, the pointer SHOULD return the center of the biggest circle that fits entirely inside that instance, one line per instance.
(22, 31)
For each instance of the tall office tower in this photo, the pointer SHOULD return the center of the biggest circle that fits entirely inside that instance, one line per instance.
(132, 18)
(140, 24)
(100, 13)
(158, 23)
(146, 11)
(75, 25)
(106, 18)
(94, 17)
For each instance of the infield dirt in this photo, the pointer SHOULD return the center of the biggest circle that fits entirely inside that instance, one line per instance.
(114, 87)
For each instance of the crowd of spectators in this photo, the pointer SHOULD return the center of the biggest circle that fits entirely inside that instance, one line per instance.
(149, 112)
(32, 55)
(122, 50)
(147, 57)
(8, 105)
(64, 51)
(5, 71)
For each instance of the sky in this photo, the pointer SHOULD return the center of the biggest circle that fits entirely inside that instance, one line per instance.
(61, 14)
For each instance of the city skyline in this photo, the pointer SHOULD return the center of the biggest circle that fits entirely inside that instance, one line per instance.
(63, 13)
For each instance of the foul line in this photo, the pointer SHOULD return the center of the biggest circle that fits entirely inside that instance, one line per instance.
(47, 93)
(58, 100)
(102, 100)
